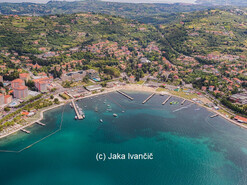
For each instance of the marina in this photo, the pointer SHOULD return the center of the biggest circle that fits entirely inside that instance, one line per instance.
(148, 98)
(166, 100)
(120, 92)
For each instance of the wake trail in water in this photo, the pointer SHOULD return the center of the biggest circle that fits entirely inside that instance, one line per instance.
(185, 107)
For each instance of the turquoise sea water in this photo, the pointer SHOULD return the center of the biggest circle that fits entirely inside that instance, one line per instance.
(188, 146)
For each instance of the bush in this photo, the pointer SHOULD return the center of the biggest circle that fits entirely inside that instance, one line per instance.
(7, 109)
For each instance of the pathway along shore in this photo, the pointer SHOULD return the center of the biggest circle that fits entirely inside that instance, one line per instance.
(132, 87)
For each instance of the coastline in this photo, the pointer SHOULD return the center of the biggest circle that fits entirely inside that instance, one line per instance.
(131, 87)
(41, 114)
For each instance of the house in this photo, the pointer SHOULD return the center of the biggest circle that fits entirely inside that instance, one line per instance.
(132, 79)
(211, 88)
(240, 119)
(7, 99)
(204, 88)
(1, 79)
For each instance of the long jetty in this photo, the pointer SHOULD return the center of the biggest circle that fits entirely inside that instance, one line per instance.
(214, 115)
(166, 100)
(148, 98)
(26, 131)
(183, 101)
(79, 116)
(120, 92)
(39, 123)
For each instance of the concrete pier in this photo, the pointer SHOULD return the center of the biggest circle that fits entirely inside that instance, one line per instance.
(148, 98)
(79, 116)
(26, 131)
(39, 123)
(183, 101)
(120, 92)
(166, 100)
(214, 115)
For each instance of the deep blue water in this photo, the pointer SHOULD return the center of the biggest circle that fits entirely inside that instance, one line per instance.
(188, 146)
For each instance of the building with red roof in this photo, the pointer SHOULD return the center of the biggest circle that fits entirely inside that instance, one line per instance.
(17, 83)
(24, 76)
(20, 92)
(7, 99)
(41, 83)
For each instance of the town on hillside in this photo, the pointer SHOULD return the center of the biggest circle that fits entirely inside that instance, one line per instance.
(73, 56)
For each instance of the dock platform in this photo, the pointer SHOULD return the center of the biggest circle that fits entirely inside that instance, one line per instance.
(166, 100)
(79, 116)
(148, 98)
(39, 123)
(215, 115)
(183, 101)
(26, 131)
(120, 92)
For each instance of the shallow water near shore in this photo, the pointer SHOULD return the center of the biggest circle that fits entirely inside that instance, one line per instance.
(189, 147)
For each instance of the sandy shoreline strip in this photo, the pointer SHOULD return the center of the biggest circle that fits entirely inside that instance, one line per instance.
(132, 87)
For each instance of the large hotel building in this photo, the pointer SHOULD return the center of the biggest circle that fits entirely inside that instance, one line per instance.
(19, 88)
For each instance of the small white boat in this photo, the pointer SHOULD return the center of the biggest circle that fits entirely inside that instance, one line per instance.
(123, 111)
(75, 117)
(101, 120)
(115, 115)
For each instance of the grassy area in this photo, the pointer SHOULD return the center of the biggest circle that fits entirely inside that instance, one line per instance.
(160, 89)
(64, 96)
(140, 82)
